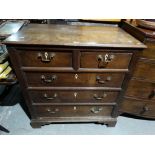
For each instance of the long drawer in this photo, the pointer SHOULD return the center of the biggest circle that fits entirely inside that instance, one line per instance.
(107, 60)
(46, 58)
(142, 90)
(72, 111)
(139, 107)
(74, 79)
(145, 70)
(70, 96)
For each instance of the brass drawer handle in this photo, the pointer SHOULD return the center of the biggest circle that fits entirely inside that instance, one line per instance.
(152, 94)
(145, 109)
(100, 98)
(50, 98)
(98, 79)
(104, 60)
(53, 77)
(46, 57)
(96, 110)
(49, 110)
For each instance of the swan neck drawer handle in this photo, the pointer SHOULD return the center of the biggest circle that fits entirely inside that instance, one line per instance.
(100, 98)
(49, 110)
(50, 98)
(98, 79)
(96, 110)
(104, 60)
(46, 57)
(50, 80)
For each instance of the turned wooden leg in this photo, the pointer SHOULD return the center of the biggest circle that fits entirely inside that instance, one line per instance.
(35, 125)
(111, 124)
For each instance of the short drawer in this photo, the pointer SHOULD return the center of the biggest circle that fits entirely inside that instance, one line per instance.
(70, 96)
(138, 107)
(46, 58)
(73, 111)
(145, 70)
(74, 79)
(107, 60)
(141, 89)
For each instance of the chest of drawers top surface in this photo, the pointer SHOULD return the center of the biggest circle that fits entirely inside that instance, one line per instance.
(74, 35)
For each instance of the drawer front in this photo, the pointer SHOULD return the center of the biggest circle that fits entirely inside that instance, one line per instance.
(145, 70)
(45, 58)
(140, 89)
(132, 106)
(73, 111)
(72, 79)
(70, 96)
(105, 60)
(139, 107)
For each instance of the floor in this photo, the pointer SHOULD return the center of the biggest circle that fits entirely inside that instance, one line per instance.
(16, 121)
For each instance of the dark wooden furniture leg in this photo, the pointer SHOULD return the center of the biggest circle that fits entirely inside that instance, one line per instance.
(111, 124)
(35, 125)
(4, 129)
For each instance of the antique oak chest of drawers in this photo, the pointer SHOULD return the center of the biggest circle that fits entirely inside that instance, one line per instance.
(73, 73)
